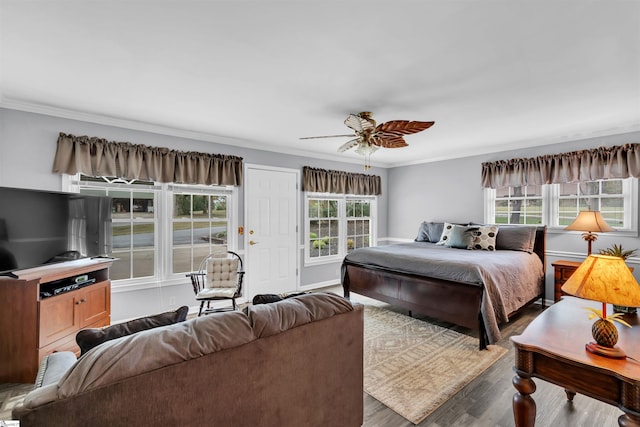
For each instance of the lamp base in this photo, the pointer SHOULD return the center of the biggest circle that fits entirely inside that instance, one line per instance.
(611, 352)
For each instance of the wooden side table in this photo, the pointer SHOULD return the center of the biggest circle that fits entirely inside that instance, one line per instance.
(552, 348)
(562, 270)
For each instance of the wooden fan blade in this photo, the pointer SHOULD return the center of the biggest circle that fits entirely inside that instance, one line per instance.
(388, 141)
(347, 145)
(358, 123)
(328, 136)
(401, 127)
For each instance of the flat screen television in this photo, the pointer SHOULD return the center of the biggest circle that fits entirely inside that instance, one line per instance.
(41, 227)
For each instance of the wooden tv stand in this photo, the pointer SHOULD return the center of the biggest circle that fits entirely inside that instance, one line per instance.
(44, 307)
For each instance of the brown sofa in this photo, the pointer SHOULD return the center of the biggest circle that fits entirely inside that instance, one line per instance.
(297, 362)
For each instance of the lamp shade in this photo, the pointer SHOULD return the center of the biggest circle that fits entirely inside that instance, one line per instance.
(589, 221)
(606, 279)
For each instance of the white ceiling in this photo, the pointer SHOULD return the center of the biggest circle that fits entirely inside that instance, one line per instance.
(493, 74)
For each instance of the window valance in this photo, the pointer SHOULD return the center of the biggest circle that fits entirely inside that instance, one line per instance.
(330, 181)
(584, 165)
(99, 157)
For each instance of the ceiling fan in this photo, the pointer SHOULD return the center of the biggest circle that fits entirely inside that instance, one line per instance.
(370, 136)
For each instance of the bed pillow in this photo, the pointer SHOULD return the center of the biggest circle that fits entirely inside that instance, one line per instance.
(446, 231)
(516, 238)
(485, 238)
(461, 237)
(430, 232)
(423, 233)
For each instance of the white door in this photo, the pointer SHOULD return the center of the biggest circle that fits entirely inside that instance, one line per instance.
(271, 223)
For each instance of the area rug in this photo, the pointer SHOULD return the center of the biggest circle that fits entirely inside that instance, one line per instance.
(413, 366)
(10, 396)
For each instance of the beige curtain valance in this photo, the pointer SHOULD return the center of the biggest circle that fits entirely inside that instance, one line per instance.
(329, 181)
(99, 157)
(585, 165)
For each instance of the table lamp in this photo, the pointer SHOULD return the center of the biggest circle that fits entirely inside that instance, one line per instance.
(608, 280)
(591, 222)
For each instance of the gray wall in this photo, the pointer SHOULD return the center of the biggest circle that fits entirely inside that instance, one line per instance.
(451, 191)
(27, 148)
(445, 190)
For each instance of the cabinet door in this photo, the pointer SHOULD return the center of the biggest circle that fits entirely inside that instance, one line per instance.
(58, 317)
(95, 304)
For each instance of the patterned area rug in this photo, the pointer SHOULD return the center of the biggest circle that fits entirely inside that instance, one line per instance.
(413, 366)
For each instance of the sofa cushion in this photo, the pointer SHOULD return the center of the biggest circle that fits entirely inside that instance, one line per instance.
(89, 338)
(156, 348)
(271, 319)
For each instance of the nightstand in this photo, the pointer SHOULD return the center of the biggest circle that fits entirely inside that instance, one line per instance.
(562, 270)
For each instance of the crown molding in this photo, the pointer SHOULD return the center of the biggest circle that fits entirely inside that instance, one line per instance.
(527, 143)
(171, 131)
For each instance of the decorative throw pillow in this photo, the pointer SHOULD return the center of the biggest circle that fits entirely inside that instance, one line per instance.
(461, 237)
(269, 298)
(516, 238)
(89, 338)
(446, 232)
(430, 232)
(485, 238)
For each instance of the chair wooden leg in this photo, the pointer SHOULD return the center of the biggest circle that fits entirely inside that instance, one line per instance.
(201, 306)
(233, 304)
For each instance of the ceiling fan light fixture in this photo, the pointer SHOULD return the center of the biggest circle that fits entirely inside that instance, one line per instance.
(366, 149)
(370, 136)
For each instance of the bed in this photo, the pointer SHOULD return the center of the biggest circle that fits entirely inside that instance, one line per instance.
(475, 289)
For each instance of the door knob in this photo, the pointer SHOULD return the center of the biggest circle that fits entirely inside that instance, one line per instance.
(251, 242)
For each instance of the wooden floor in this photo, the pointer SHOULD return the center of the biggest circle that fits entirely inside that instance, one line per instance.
(484, 402)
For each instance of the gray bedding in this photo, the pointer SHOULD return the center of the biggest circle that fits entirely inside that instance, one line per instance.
(510, 278)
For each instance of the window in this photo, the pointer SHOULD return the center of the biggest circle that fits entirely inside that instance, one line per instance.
(518, 205)
(162, 231)
(324, 227)
(606, 196)
(336, 225)
(134, 232)
(557, 205)
(199, 221)
(358, 224)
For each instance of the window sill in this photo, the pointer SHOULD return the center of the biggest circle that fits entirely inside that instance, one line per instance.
(323, 261)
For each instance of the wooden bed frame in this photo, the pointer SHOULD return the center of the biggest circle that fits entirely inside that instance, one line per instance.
(445, 300)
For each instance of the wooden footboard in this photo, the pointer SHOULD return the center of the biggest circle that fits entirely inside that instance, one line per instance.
(452, 302)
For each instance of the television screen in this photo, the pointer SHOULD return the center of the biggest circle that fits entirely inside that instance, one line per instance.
(41, 227)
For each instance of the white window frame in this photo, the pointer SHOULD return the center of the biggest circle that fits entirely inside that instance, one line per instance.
(232, 215)
(550, 206)
(163, 231)
(342, 225)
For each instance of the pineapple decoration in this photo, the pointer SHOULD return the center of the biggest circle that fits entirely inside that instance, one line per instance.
(604, 330)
